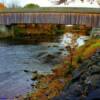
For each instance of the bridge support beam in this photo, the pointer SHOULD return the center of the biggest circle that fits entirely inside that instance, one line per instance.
(4, 31)
(12, 31)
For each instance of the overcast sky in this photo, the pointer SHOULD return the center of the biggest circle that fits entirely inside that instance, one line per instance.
(47, 3)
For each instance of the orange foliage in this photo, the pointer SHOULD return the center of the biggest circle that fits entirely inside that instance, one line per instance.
(2, 6)
(51, 85)
(52, 90)
(59, 72)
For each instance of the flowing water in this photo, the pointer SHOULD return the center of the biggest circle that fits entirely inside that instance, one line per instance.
(14, 59)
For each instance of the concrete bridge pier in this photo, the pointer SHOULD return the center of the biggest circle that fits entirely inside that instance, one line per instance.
(12, 30)
(7, 31)
(4, 31)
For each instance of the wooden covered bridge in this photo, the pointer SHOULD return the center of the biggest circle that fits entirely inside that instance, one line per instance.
(83, 16)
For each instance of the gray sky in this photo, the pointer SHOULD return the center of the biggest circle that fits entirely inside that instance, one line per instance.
(47, 3)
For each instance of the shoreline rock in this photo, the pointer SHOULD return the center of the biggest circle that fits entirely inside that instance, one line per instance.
(85, 83)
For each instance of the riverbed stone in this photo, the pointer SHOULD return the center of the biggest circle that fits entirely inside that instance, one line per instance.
(76, 74)
(94, 80)
(35, 75)
(85, 64)
(41, 53)
(26, 71)
(50, 59)
(95, 69)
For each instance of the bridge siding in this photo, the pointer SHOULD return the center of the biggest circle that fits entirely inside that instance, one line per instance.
(58, 18)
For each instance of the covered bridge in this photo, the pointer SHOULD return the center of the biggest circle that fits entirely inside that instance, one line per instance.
(80, 16)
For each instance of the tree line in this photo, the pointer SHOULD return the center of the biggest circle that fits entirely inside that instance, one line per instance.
(16, 4)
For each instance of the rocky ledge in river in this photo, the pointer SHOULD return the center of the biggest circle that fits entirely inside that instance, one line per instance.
(53, 56)
(85, 84)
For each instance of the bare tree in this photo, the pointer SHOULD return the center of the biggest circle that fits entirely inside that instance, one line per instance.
(69, 1)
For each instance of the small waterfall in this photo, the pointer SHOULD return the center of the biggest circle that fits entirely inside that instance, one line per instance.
(67, 38)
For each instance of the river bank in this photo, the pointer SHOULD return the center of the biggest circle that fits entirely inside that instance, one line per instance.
(28, 67)
(85, 83)
(65, 75)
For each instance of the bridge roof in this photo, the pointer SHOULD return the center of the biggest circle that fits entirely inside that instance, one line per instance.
(52, 9)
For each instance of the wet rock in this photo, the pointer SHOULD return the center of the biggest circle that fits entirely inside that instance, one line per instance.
(34, 78)
(34, 75)
(50, 59)
(98, 63)
(75, 90)
(62, 49)
(93, 58)
(32, 85)
(59, 98)
(94, 69)
(94, 95)
(94, 80)
(96, 57)
(26, 71)
(72, 98)
(35, 72)
(55, 45)
(76, 74)
(85, 74)
(97, 54)
(66, 97)
(29, 71)
(85, 84)
(85, 64)
(58, 53)
(41, 54)
(47, 58)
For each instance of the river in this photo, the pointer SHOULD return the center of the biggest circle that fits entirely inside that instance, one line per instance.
(14, 59)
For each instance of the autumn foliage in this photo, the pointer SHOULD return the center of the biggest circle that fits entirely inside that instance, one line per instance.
(2, 6)
(89, 48)
(51, 85)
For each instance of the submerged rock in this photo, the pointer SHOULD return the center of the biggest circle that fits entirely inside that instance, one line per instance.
(26, 71)
(49, 58)
(41, 54)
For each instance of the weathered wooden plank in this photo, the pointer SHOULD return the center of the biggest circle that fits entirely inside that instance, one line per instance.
(56, 18)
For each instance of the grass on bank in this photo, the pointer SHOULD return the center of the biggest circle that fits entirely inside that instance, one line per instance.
(51, 85)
